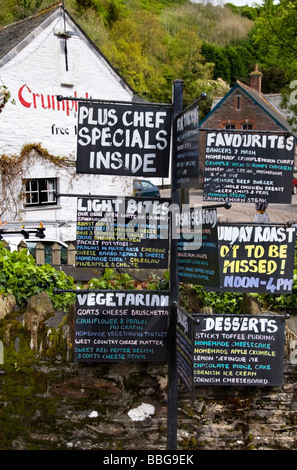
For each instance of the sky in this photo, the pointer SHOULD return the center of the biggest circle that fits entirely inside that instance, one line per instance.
(238, 3)
(241, 3)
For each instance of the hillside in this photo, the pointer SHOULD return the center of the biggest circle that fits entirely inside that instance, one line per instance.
(153, 42)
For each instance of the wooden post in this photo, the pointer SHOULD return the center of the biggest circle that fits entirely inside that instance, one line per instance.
(22, 245)
(39, 254)
(56, 254)
(71, 254)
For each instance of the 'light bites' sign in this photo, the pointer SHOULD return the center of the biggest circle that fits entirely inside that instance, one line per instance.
(248, 167)
(122, 233)
(120, 139)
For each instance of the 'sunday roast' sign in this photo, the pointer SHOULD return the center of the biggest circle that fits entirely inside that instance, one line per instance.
(121, 326)
(114, 232)
(256, 258)
(242, 350)
(123, 139)
(248, 167)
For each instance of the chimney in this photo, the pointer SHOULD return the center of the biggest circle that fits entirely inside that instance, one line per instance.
(255, 79)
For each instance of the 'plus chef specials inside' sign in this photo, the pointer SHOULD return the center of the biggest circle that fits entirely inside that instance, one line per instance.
(123, 139)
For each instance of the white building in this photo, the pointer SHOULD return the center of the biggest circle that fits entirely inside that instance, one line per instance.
(42, 57)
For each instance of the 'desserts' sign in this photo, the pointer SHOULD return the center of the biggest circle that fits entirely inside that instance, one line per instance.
(239, 350)
(123, 139)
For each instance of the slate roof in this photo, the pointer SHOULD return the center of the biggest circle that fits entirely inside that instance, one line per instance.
(13, 34)
(261, 100)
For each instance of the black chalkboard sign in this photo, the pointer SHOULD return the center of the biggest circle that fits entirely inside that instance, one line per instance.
(198, 258)
(248, 167)
(233, 350)
(115, 232)
(121, 326)
(123, 139)
(256, 258)
(187, 148)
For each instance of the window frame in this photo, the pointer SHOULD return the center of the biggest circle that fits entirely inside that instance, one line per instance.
(35, 190)
(230, 126)
(249, 125)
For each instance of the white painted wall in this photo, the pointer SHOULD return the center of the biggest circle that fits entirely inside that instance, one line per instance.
(35, 73)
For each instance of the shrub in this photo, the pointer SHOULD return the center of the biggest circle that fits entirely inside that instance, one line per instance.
(20, 276)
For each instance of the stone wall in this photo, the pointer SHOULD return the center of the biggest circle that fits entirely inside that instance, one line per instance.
(87, 408)
(49, 402)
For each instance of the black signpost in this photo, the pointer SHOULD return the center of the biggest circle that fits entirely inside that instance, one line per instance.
(118, 232)
(187, 151)
(198, 255)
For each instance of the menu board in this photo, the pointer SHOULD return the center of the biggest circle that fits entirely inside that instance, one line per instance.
(121, 326)
(256, 258)
(238, 350)
(115, 232)
(123, 139)
(248, 167)
(187, 148)
(232, 350)
(198, 258)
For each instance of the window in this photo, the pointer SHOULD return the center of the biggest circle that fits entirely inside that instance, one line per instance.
(41, 191)
(229, 126)
(247, 126)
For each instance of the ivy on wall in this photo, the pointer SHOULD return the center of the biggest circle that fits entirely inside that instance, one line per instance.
(4, 96)
(14, 170)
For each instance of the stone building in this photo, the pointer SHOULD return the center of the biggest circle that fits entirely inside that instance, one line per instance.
(245, 108)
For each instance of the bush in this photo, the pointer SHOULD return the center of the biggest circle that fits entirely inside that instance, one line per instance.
(20, 276)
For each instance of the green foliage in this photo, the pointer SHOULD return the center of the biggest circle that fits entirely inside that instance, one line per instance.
(20, 276)
(227, 302)
(231, 62)
(13, 10)
(112, 280)
(152, 43)
(220, 302)
(251, 13)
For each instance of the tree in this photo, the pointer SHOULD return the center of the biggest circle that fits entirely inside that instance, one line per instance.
(275, 35)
